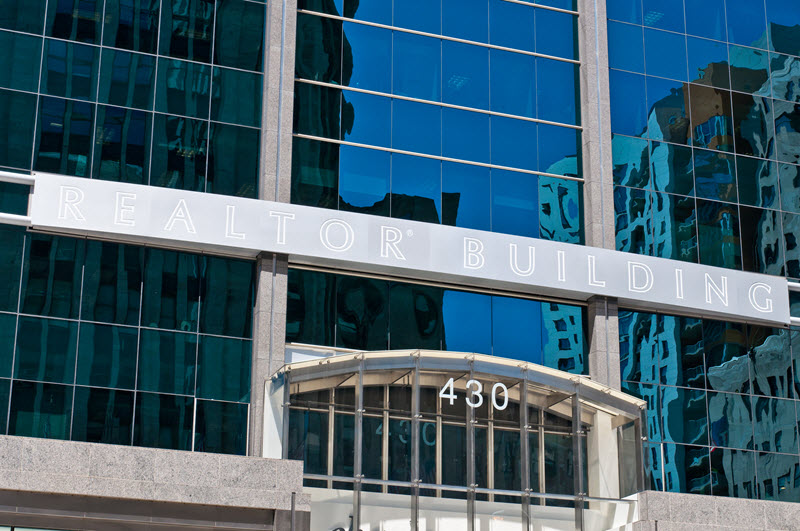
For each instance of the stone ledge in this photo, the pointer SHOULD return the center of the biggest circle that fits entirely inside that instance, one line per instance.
(147, 474)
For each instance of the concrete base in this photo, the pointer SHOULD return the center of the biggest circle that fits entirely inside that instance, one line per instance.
(667, 511)
(71, 485)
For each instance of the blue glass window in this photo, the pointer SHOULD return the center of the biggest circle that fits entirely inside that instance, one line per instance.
(557, 91)
(515, 203)
(511, 25)
(516, 326)
(625, 47)
(708, 62)
(416, 188)
(17, 70)
(420, 15)
(465, 135)
(467, 321)
(664, 14)
(465, 19)
(417, 127)
(556, 33)
(370, 48)
(706, 19)
(366, 118)
(513, 83)
(465, 196)
(665, 54)
(747, 24)
(364, 180)
(465, 71)
(625, 10)
(417, 65)
(629, 102)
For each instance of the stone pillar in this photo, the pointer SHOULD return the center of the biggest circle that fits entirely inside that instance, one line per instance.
(269, 339)
(604, 341)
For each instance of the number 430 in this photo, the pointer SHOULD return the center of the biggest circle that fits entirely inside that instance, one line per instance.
(475, 398)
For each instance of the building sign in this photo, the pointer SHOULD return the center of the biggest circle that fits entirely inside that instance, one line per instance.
(408, 249)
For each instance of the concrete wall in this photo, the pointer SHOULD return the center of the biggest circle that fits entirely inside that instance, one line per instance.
(667, 511)
(50, 480)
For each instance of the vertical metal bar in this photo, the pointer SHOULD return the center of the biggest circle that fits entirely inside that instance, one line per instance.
(542, 482)
(415, 415)
(639, 449)
(286, 411)
(294, 511)
(331, 435)
(471, 482)
(357, 446)
(577, 461)
(525, 451)
(385, 439)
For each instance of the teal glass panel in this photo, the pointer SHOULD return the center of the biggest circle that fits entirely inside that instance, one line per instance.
(315, 173)
(629, 101)
(362, 313)
(18, 116)
(754, 130)
(560, 210)
(51, 278)
(559, 150)
(633, 210)
(319, 49)
(517, 327)
(14, 198)
(236, 97)
(664, 14)
(712, 127)
(122, 145)
(308, 440)
(364, 180)
(5, 395)
(311, 308)
(131, 24)
(24, 15)
(715, 175)
(317, 110)
(681, 338)
(102, 416)
(672, 168)
(465, 196)
(417, 66)
(19, 66)
(749, 70)
(11, 249)
(667, 117)
(718, 234)
(686, 468)
(64, 136)
(563, 341)
(239, 34)
(772, 362)
(631, 161)
(221, 427)
(733, 473)
(40, 410)
(786, 119)
(127, 79)
(674, 227)
(179, 153)
(46, 350)
(708, 62)
(343, 445)
(75, 21)
(8, 331)
(163, 421)
(507, 460)
(782, 17)
(107, 356)
(183, 88)
(775, 425)
(466, 322)
(227, 297)
(416, 188)
(366, 119)
(789, 176)
(784, 85)
(684, 415)
(513, 83)
(416, 317)
(728, 367)
(70, 70)
(417, 127)
(370, 47)
(171, 290)
(167, 362)
(559, 473)
(515, 203)
(187, 29)
(777, 477)
(762, 243)
(233, 161)
(223, 369)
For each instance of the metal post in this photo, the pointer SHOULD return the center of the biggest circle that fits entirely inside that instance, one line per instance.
(525, 450)
(639, 449)
(357, 446)
(415, 415)
(577, 461)
(471, 483)
(294, 510)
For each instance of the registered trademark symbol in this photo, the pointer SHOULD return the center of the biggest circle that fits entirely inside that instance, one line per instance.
(409, 232)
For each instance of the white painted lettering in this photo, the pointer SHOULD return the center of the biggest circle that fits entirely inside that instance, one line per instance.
(123, 213)
(390, 237)
(766, 307)
(679, 283)
(71, 197)
(721, 293)
(635, 270)
(230, 222)
(473, 253)
(513, 251)
(181, 213)
(325, 235)
(562, 266)
(282, 219)
(593, 273)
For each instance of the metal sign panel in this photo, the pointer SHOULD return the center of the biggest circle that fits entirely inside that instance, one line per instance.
(370, 244)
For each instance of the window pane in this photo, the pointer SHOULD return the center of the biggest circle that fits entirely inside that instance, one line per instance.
(107, 356)
(684, 415)
(465, 70)
(183, 88)
(515, 203)
(64, 140)
(227, 297)
(310, 308)
(8, 330)
(465, 196)
(40, 410)
(317, 110)
(786, 130)
(223, 369)
(417, 127)
(24, 15)
(236, 97)
(221, 427)
(557, 91)
(171, 290)
(102, 416)
(625, 47)
(731, 420)
(18, 114)
(364, 181)
(556, 34)
(163, 421)
(18, 69)
(467, 319)
(319, 49)
(665, 54)
(718, 240)
(51, 281)
(308, 440)
(46, 350)
(629, 101)
(772, 364)
(370, 47)
(686, 468)
(122, 145)
(675, 227)
(666, 104)
(416, 317)
(70, 70)
(180, 147)
(747, 24)
(366, 119)
(187, 29)
(5, 395)
(775, 425)
(119, 70)
(465, 135)
(420, 15)
(754, 129)
(560, 210)
(664, 14)
(673, 168)
(167, 362)
(715, 175)
(77, 21)
(514, 143)
(706, 19)
(511, 25)
(517, 327)
(563, 343)
(417, 64)
(11, 249)
(362, 313)
(513, 83)
(762, 241)
(315, 173)
(416, 188)
(711, 126)
(239, 34)
(233, 161)
(131, 24)
(708, 62)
